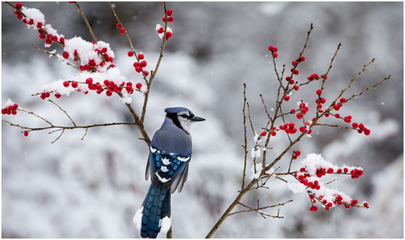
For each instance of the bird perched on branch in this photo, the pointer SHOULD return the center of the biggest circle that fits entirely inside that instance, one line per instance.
(169, 157)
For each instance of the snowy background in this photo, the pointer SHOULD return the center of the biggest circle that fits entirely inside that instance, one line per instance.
(93, 187)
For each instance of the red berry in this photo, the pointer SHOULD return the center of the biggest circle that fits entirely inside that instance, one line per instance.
(275, 55)
(14, 112)
(275, 49)
(66, 83)
(18, 5)
(170, 19)
(118, 25)
(160, 30)
(337, 115)
(296, 87)
(65, 55)
(302, 58)
(270, 48)
(336, 107)
(138, 69)
(89, 80)
(108, 93)
(74, 84)
(169, 35)
(146, 73)
(346, 170)
(361, 125)
(3, 111)
(169, 12)
(294, 63)
(343, 99)
(143, 64)
(330, 170)
(138, 85)
(365, 204)
(347, 206)
(286, 98)
(367, 132)
(58, 95)
(299, 115)
(26, 133)
(298, 152)
(273, 133)
(302, 169)
(303, 129)
(355, 125)
(296, 72)
(141, 56)
(263, 133)
(130, 53)
(122, 30)
(318, 92)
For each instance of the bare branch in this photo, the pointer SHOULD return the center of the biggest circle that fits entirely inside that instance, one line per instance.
(53, 54)
(74, 124)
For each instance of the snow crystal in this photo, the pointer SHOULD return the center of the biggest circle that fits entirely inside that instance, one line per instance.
(138, 218)
(84, 50)
(144, 89)
(258, 171)
(34, 14)
(296, 187)
(166, 223)
(126, 99)
(9, 102)
(256, 153)
(314, 161)
(57, 86)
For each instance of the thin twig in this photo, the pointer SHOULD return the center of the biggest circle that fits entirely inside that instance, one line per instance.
(245, 136)
(63, 130)
(87, 22)
(153, 73)
(258, 209)
(53, 54)
(74, 124)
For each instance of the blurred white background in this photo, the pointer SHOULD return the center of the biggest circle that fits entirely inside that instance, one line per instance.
(93, 187)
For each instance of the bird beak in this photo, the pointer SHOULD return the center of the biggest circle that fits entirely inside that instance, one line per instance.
(197, 119)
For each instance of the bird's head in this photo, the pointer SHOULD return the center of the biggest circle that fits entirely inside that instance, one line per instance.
(182, 117)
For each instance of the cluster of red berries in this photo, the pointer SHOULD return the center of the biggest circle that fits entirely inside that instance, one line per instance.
(296, 154)
(272, 132)
(122, 30)
(169, 13)
(140, 64)
(18, 7)
(298, 60)
(273, 50)
(49, 38)
(361, 128)
(161, 30)
(315, 76)
(10, 109)
(91, 66)
(302, 110)
(289, 128)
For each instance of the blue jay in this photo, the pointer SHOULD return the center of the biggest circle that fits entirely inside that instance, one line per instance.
(169, 156)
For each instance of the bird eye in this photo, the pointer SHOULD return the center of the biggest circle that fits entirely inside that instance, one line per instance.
(183, 116)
